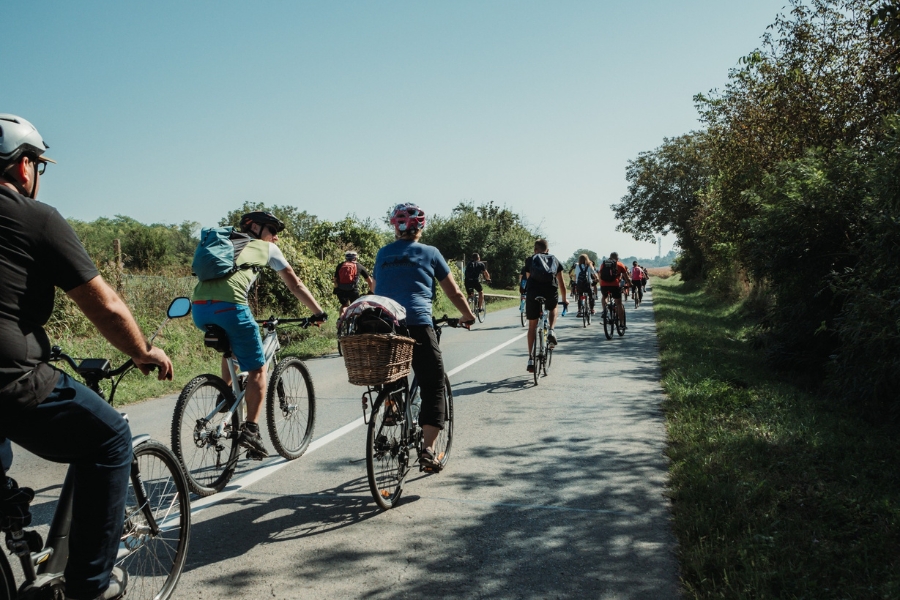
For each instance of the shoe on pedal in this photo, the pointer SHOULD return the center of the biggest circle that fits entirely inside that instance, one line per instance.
(551, 337)
(118, 583)
(429, 462)
(531, 365)
(252, 440)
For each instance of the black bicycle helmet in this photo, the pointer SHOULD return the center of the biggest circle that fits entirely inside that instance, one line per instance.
(263, 218)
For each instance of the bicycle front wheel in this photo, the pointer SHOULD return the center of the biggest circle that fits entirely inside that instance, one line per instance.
(620, 324)
(387, 455)
(291, 408)
(608, 321)
(208, 456)
(158, 498)
(444, 440)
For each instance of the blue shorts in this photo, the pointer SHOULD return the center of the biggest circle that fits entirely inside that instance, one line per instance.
(239, 324)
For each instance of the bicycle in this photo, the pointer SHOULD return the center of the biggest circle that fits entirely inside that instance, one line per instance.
(541, 350)
(388, 444)
(638, 295)
(157, 516)
(584, 308)
(522, 311)
(611, 321)
(208, 415)
(478, 312)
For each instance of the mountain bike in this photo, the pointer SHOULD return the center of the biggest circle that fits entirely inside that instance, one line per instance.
(394, 431)
(209, 412)
(542, 351)
(611, 319)
(157, 515)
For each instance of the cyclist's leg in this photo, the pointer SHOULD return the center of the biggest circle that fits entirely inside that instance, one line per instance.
(74, 425)
(532, 313)
(428, 365)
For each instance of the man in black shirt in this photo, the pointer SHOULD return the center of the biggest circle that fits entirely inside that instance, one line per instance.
(472, 276)
(544, 275)
(41, 408)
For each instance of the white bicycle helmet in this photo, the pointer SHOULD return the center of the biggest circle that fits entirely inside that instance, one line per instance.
(18, 137)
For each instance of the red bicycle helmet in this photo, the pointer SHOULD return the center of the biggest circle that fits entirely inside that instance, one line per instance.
(407, 217)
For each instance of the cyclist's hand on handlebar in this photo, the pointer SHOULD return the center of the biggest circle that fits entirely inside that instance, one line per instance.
(466, 324)
(154, 358)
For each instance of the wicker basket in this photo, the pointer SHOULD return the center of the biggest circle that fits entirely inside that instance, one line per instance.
(375, 358)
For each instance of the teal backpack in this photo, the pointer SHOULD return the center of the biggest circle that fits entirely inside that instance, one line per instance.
(217, 254)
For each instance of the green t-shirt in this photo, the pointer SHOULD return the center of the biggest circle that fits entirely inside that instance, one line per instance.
(236, 287)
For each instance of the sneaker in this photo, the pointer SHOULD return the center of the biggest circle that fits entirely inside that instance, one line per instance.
(530, 365)
(551, 337)
(252, 441)
(118, 582)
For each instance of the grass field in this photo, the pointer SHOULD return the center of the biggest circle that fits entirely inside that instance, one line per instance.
(776, 492)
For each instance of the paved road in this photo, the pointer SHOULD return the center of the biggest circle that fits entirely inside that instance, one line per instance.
(552, 491)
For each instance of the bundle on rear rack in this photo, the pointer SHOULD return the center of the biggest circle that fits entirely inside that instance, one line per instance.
(375, 351)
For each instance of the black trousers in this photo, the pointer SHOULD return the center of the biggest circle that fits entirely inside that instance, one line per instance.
(428, 366)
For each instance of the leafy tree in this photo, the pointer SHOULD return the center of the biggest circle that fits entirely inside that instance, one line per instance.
(573, 260)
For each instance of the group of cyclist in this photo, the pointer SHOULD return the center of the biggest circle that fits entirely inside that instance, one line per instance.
(41, 406)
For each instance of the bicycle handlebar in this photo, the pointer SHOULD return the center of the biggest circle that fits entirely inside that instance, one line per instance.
(305, 322)
(447, 322)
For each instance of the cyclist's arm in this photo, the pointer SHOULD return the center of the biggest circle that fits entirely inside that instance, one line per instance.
(457, 298)
(487, 276)
(105, 309)
(299, 290)
(562, 286)
(371, 283)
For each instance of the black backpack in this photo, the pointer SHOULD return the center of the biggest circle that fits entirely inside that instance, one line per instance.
(543, 268)
(609, 272)
(582, 274)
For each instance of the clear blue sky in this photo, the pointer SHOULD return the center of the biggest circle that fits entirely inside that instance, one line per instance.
(169, 111)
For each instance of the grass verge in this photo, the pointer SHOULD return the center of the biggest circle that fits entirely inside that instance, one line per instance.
(777, 493)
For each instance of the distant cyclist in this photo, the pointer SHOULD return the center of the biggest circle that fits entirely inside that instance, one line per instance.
(474, 269)
(637, 278)
(346, 280)
(585, 276)
(545, 279)
(611, 272)
(223, 302)
(43, 409)
(405, 271)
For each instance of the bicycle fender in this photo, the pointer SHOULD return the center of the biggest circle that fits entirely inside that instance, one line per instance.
(137, 440)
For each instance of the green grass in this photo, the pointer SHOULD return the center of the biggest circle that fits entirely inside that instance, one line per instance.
(777, 493)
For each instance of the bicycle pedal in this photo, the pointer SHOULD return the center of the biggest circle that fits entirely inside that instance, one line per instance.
(254, 455)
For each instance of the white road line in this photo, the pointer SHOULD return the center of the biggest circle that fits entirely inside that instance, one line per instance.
(268, 469)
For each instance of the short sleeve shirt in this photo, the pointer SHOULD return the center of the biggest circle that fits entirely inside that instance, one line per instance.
(39, 251)
(620, 270)
(360, 272)
(474, 270)
(406, 272)
(544, 288)
(236, 287)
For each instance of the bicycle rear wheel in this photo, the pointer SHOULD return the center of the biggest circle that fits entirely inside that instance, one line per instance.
(548, 358)
(208, 460)
(620, 324)
(480, 314)
(538, 353)
(583, 309)
(608, 320)
(444, 440)
(387, 455)
(291, 408)
(154, 562)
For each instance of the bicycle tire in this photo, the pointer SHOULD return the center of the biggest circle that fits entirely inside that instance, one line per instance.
(7, 581)
(538, 354)
(522, 317)
(203, 464)
(444, 441)
(583, 308)
(387, 453)
(154, 563)
(292, 423)
(480, 314)
(608, 323)
(620, 323)
(548, 358)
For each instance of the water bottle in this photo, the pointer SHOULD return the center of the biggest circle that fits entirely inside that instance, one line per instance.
(415, 406)
(565, 309)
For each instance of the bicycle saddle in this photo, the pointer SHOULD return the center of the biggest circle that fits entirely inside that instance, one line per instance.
(217, 339)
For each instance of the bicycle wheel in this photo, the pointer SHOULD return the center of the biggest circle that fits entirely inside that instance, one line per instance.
(620, 324)
(608, 321)
(444, 440)
(538, 353)
(522, 316)
(548, 358)
(154, 561)
(7, 581)
(480, 314)
(387, 455)
(208, 458)
(291, 408)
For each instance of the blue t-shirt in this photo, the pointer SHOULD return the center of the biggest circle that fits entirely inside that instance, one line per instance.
(405, 271)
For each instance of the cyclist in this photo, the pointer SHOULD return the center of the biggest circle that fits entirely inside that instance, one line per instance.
(471, 278)
(585, 277)
(405, 271)
(346, 280)
(545, 278)
(573, 288)
(223, 302)
(41, 408)
(596, 279)
(637, 278)
(611, 271)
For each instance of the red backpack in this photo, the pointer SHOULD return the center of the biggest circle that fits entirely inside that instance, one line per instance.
(347, 275)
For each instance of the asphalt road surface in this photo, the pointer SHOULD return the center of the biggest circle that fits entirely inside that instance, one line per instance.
(552, 491)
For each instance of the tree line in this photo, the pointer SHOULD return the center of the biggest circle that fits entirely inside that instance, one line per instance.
(789, 194)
